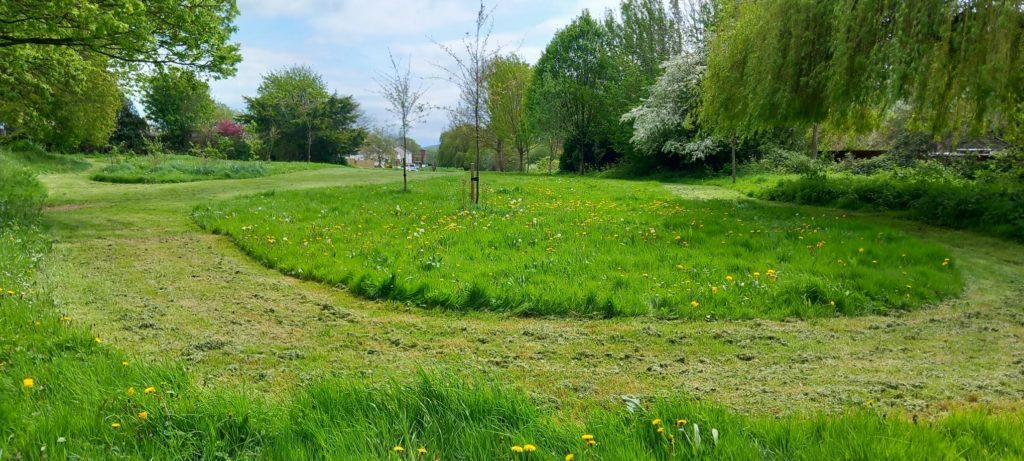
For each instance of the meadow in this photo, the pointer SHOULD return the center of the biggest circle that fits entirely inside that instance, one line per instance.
(584, 247)
(166, 168)
(82, 378)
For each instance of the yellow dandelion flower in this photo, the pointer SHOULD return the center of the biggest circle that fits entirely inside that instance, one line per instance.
(860, 250)
(529, 448)
(150, 390)
(28, 383)
(657, 421)
(98, 340)
(728, 278)
(587, 437)
(398, 449)
(694, 304)
(131, 391)
(569, 457)
(143, 415)
(757, 274)
(517, 449)
(714, 290)
(661, 429)
(422, 451)
(115, 425)
(124, 363)
(681, 422)
(591, 443)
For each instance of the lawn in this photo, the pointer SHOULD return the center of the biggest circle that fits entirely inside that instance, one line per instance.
(184, 168)
(587, 247)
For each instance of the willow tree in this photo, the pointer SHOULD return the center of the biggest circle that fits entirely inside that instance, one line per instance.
(793, 63)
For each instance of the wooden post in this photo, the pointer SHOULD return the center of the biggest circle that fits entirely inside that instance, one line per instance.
(474, 184)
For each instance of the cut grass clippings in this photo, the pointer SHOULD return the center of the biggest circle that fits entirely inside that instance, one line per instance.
(182, 168)
(557, 246)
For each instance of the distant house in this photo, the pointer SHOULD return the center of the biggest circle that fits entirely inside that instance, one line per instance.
(981, 148)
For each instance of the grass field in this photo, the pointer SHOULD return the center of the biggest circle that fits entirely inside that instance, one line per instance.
(245, 363)
(557, 246)
(184, 168)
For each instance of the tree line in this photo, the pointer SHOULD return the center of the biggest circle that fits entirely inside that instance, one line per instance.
(663, 85)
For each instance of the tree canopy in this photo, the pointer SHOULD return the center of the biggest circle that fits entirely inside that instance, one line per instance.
(189, 33)
(507, 86)
(298, 119)
(845, 62)
(178, 102)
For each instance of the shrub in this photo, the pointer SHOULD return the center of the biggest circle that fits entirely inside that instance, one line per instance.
(995, 208)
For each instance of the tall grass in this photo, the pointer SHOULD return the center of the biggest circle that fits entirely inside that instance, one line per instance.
(183, 168)
(557, 246)
(66, 394)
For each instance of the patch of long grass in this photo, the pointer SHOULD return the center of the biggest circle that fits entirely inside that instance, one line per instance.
(571, 246)
(183, 168)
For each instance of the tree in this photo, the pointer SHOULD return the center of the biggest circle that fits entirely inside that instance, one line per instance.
(507, 87)
(470, 74)
(456, 147)
(666, 122)
(57, 96)
(844, 63)
(379, 144)
(297, 118)
(130, 128)
(404, 100)
(189, 33)
(572, 91)
(179, 103)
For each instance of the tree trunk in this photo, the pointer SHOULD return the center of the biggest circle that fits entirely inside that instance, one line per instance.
(734, 159)
(522, 156)
(501, 156)
(814, 142)
(309, 143)
(405, 180)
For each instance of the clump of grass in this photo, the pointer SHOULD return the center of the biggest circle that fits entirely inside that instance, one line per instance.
(33, 157)
(592, 247)
(183, 168)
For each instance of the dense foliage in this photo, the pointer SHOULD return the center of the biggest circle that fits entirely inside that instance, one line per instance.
(297, 118)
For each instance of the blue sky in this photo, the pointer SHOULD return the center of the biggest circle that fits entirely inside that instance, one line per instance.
(347, 41)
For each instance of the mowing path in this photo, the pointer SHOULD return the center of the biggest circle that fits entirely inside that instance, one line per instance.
(129, 263)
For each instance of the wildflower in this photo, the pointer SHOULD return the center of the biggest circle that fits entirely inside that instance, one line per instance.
(728, 278)
(115, 425)
(398, 449)
(28, 383)
(131, 391)
(517, 449)
(714, 290)
(150, 390)
(569, 457)
(757, 274)
(657, 421)
(124, 363)
(680, 422)
(591, 442)
(143, 415)
(422, 451)
(98, 340)
(693, 304)
(661, 429)
(860, 250)
(587, 437)
(65, 318)
(679, 266)
(529, 448)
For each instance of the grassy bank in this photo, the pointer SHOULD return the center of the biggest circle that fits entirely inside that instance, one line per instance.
(558, 246)
(183, 168)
